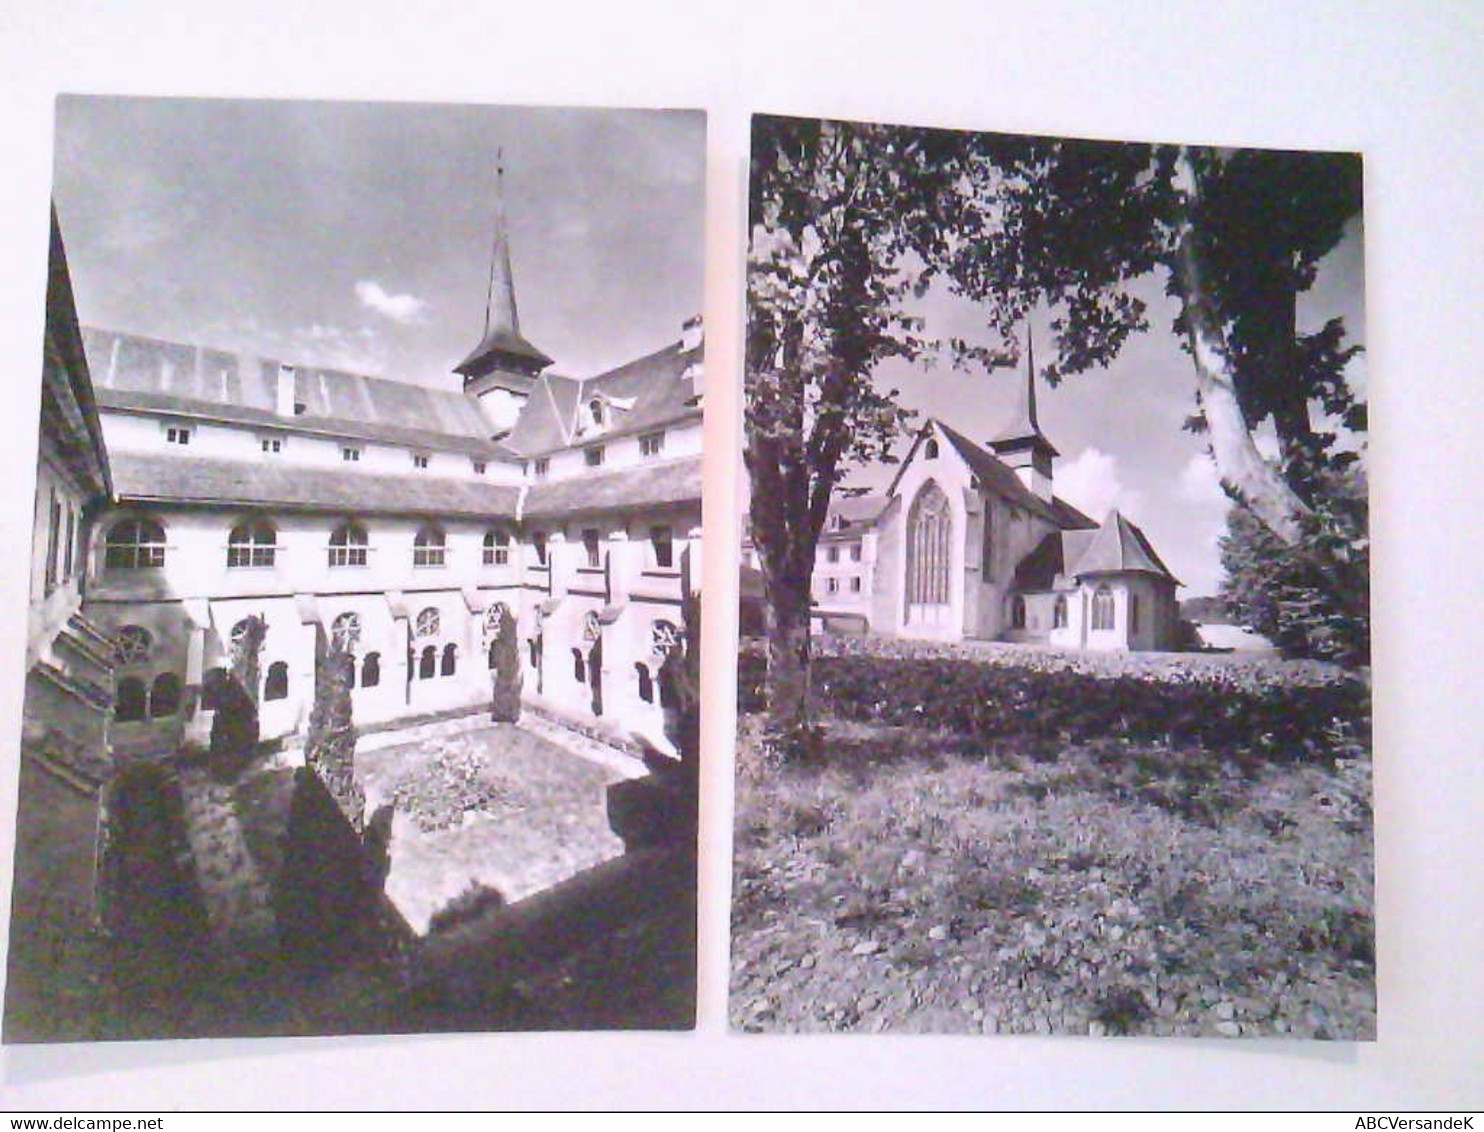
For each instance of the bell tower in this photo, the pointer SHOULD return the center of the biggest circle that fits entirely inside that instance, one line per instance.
(1021, 444)
(501, 371)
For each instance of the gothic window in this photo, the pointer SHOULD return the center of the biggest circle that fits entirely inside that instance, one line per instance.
(986, 545)
(1017, 612)
(129, 700)
(253, 543)
(929, 547)
(371, 670)
(496, 547)
(345, 632)
(662, 539)
(646, 682)
(348, 545)
(1059, 612)
(428, 546)
(133, 643)
(427, 623)
(494, 619)
(164, 695)
(1133, 613)
(450, 659)
(276, 684)
(930, 449)
(1102, 608)
(664, 638)
(135, 544)
(427, 665)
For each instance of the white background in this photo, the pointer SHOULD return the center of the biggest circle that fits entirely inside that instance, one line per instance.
(1400, 82)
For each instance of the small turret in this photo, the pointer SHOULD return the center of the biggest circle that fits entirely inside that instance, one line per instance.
(1021, 444)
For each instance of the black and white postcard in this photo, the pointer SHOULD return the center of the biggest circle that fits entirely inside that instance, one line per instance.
(361, 682)
(1055, 682)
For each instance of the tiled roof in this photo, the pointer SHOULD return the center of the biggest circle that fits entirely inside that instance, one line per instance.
(178, 479)
(654, 390)
(676, 481)
(996, 475)
(1120, 547)
(131, 371)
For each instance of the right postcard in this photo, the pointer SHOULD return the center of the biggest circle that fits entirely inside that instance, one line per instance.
(1055, 674)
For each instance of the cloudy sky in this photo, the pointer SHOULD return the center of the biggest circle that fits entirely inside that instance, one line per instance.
(1119, 429)
(358, 235)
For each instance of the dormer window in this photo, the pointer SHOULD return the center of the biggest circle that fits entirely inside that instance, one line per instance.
(543, 468)
(479, 467)
(420, 460)
(593, 457)
(350, 454)
(272, 445)
(598, 412)
(651, 443)
(178, 434)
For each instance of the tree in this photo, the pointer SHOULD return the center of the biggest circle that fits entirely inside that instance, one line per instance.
(845, 222)
(330, 746)
(505, 672)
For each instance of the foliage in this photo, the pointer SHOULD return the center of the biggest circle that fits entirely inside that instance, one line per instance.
(680, 673)
(234, 724)
(505, 699)
(330, 746)
(1044, 699)
(1312, 599)
(457, 780)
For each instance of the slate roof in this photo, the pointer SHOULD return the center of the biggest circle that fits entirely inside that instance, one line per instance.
(993, 473)
(656, 385)
(485, 356)
(676, 481)
(134, 372)
(175, 479)
(1120, 547)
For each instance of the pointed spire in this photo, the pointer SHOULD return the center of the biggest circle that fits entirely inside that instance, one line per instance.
(1023, 425)
(500, 312)
(502, 347)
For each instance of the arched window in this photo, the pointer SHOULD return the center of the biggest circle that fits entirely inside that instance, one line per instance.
(348, 545)
(930, 449)
(450, 659)
(1133, 613)
(596, 412)
(164, 695)
(253, 543)
(371, 670)
(345, 632)
(135, 544)
(496, 547)
(1102, 608)
(276, 684)
(1059, 612)
(133, 644)
(646, 683)
(1017, 612)
(427, 623)
(929, 551)
(129, 700)
(428, 546)
(427, 666)
(579, 666)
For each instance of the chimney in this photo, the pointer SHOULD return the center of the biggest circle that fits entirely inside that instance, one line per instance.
(692, 333)
(692, 339)
(285, 401)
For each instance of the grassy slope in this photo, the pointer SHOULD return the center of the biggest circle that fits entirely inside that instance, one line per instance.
(927, 881)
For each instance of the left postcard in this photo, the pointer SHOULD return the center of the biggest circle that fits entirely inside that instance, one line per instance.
(361, 664)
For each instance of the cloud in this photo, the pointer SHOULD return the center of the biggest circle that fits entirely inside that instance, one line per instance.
(1092, 482)
(1198, 483)
(398, 308)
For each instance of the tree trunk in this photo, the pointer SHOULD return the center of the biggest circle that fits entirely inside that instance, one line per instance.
(1241, 466)
(786, 609)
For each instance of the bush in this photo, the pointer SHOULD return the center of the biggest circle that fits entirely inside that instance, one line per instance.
(1043, 697)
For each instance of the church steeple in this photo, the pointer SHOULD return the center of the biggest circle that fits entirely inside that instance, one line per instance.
(502, 350)
(1021, 444)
